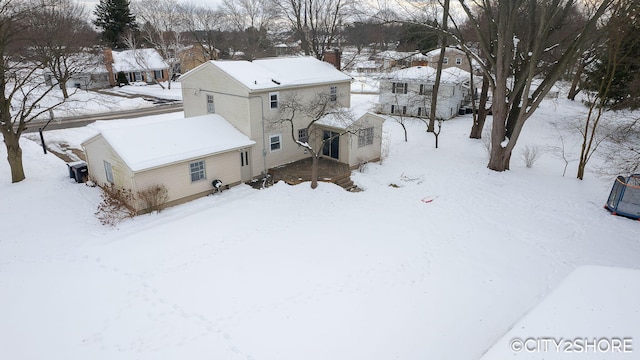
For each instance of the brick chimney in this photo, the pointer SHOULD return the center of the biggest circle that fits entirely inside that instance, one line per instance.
(332, 56)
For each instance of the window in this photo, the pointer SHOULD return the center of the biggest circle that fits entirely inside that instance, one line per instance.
(303, 135)
(446, 61)
(197, 170)
(210, 107)
(397, 109)
(458, 61)
(108, 171)
(273, 100)
(365, 137)
(424, 111)
(420, 111)
(426, 89)
(157, 74)
(333, 93)
(399, 88)
(275, 142)
(137, 76)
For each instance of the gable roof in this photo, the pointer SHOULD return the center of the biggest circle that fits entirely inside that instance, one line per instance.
(277, 73)
(143, 147)
(125, 60)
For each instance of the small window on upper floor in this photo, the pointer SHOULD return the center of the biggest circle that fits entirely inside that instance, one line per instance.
(458, 61)
(445, 61)
(273, 100)
(210, 106)
(333, 93)
(399, 88)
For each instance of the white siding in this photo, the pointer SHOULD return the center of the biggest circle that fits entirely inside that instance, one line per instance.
(97, 151)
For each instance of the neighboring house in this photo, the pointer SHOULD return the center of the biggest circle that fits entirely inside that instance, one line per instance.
(393, 60)
(88, 70)
(139, 65)
(183, 155)
(452, 58)
(408, 92)
(248, 95)
(195, 55)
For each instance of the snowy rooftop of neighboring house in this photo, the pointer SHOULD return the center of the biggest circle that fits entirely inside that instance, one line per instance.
(137, 60)
(396, 55)
(147, 146)
(592, 303)
(428, 74)
(436, 52)
(281, 72)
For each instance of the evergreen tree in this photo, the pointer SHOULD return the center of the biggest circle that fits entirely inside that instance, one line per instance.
(115, 19)
(619, 57)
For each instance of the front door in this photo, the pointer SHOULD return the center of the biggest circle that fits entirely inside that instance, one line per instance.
(331, 147)
(245, 169)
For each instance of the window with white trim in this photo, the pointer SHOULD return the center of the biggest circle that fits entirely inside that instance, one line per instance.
(273, 100)
(275, 142)
(333, 93)
(399, 88)
(365, 137)
(303, 135)
(397, 109)
(197, 170)
(137, 76)
(158, 75)
(108, 171)
(458, 61)
(446, 61)
(210, 106)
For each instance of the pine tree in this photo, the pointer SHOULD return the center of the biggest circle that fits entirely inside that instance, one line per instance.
(619, 59)
(115, 19)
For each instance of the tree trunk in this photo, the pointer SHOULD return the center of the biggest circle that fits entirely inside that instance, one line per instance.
(574, 90)
(63, 87)
(478, 124)
(314, 170)
(436, 85)
(404, 127)
(500, 158)
(14, 156)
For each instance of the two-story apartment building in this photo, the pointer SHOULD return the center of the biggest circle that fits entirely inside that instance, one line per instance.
(409, 91)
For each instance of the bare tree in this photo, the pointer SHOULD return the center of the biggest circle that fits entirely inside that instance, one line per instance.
(316, 23)
(515, 45)
(296, 113)
(24, 95)
(204, 24)
(621, 152)
(162, 26)
(61, 39)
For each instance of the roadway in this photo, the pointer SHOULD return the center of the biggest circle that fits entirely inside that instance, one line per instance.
(82, 120)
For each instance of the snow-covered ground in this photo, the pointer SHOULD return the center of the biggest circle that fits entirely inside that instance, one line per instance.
(438, 258)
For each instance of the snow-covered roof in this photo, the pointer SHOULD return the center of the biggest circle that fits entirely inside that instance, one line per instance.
(125, 60)
(143, 147)
(428, 74)
(436, 52)
(275, 73)
(345, 120)
(593, 301)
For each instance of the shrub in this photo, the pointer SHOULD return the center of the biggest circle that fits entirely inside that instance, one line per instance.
(153, 197)
(530, 155)
(115, 206)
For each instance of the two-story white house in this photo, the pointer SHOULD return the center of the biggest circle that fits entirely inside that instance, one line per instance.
(249, 94)
(409, 92)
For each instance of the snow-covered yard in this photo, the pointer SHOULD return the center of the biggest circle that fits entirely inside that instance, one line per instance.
(294, 273)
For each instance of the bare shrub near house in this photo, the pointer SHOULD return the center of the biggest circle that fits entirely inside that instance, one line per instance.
(115, 205)
(530, 154)
(153, 198)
